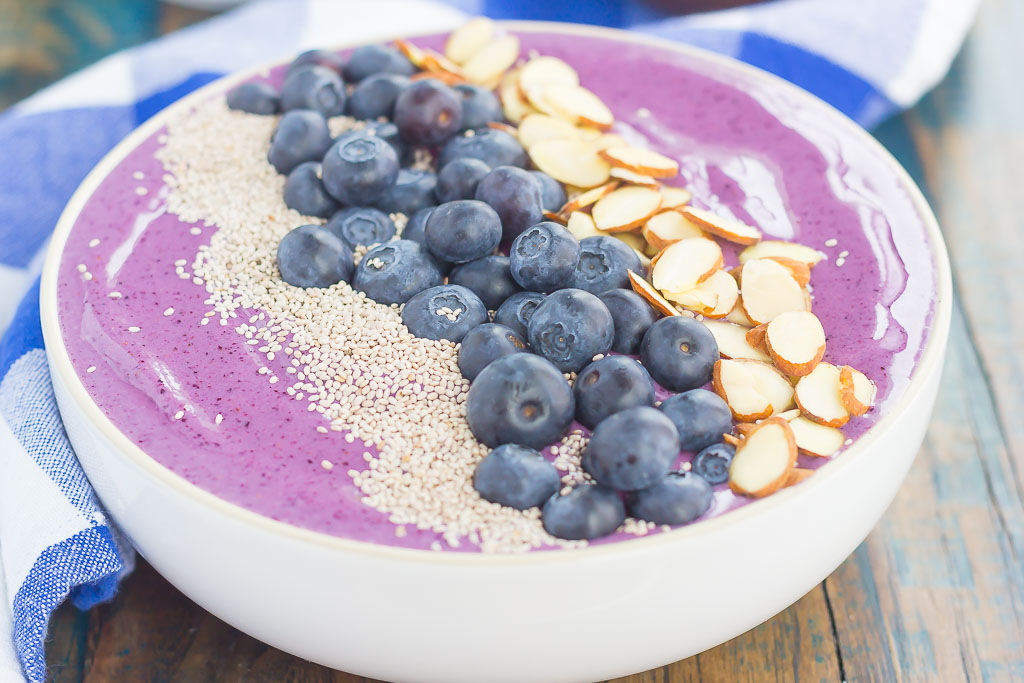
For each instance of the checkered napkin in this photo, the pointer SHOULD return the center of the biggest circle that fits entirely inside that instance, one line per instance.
(868, 58)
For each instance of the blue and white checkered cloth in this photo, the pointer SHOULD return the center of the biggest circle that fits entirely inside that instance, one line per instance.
(869, 58)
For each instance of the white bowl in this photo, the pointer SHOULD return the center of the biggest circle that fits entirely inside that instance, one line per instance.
(595, 613)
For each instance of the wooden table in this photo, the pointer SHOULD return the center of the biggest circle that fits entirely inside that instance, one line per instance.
(936, 592)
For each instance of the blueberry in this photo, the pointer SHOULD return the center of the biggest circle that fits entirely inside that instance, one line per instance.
(312, 256)
(360, 168)
(569, 328)
(414, 228)
(254, 98)
(391, 273)
(701, 417)
(543, 257)
(489, 277)
(516, 477)
(604, 264)
(679, 352)
(313, 87)
(609, 386)
(713, 462)
(586, 512)
(428, 112)
(462, 231)
(325, 58)
(444, 312)
(632, 449)
(552, 194)
(388, 132)
(375, 96)
(304, 191)
(521, 399)
(375, 59)
(514, 194)
(479, 106)
(485, 344)
(361, 226)
(413, 190)
(515, 312)
(679, 498)
(301, 135)
(458, 179)
(492, 146)
(631, 315)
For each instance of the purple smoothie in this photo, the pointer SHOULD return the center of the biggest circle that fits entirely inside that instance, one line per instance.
(771, 158)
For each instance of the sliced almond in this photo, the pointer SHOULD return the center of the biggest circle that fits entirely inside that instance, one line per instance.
(712, 298)
(797, 475)
(764, 459)
(514, 105)
(492, 60)
(744, 428)
(753, 389)
(818, 395)
(570, 160)
(793, 250)
(635, 242)
(650, 250)
(438, 63)
(732, 342)
(733, 441)
(755, 336)
(503, 127)
(581, 225)
(588, 197)
(574, 103)
(800, 271)
(738, 316)
(536, 128)
(675, 197)
(727, 228)
(796, 342)
(682, 266)
(640, 160)
(789, 414)
(541, 71)
(816, 440)
(668, 227)
(857, 392)
(768, 290)
(634, 178)
(469, 39)
(651, 295)
(607, 140)
(556, 217)
(413, 53)
(626, 208)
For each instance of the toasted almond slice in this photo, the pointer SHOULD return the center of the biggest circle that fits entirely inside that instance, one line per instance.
(683, 265)
(789, 414)
(491, 61)
(733, 441)
(587, 197)
(651, 295)
(626, 208)
(635, 242)
(738, 316)
(443, 76)
(413, 53)
(438, 63)
(541, 71)
(744, 428)
(768, 290)
(732, 342)
(856, 391)
(753, 390)
(726, 228)
(797, 252)
(540, 127)
(570, 160)
(797, 475)
(556, 217)
(800, 271)
(814, 439)
(675, 197)
(668, 227)
(755, 336)
(796, 342)
(469, 39)
(650, 250)
(763, 461)
(581, 225)
(514, 105)
(818, 395)
(607, 140)
(574, 103)
(641, 160)
(712, 298)
(504, 127)
(634, 178)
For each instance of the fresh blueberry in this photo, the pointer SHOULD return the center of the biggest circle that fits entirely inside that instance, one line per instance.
(462, 231)
(301, 135)
(631, 315)
(368, 60)
(479, 106)
(514, 194)
(679, 352)
(515, 312)
(312, 256)
(313, 87)
(679, 498)
(588, 511)
(375, 96)
(516, 477)
(304, 191)
(521, 399)
(552, 194)
(485, 344)
(492, 146)
(255, 98)
(428, 112)
(543, 257)
(458, 179)
(388, 132)
(413, 190)
(569, 328)
(444, 312)
(489, 277)
(632, 449)
(360, 168)
(325, 58)
(361, 226)
(609, 386)
(415, 228)
(391, 273)
(701, 416)
(604, 264)
(713, 462)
